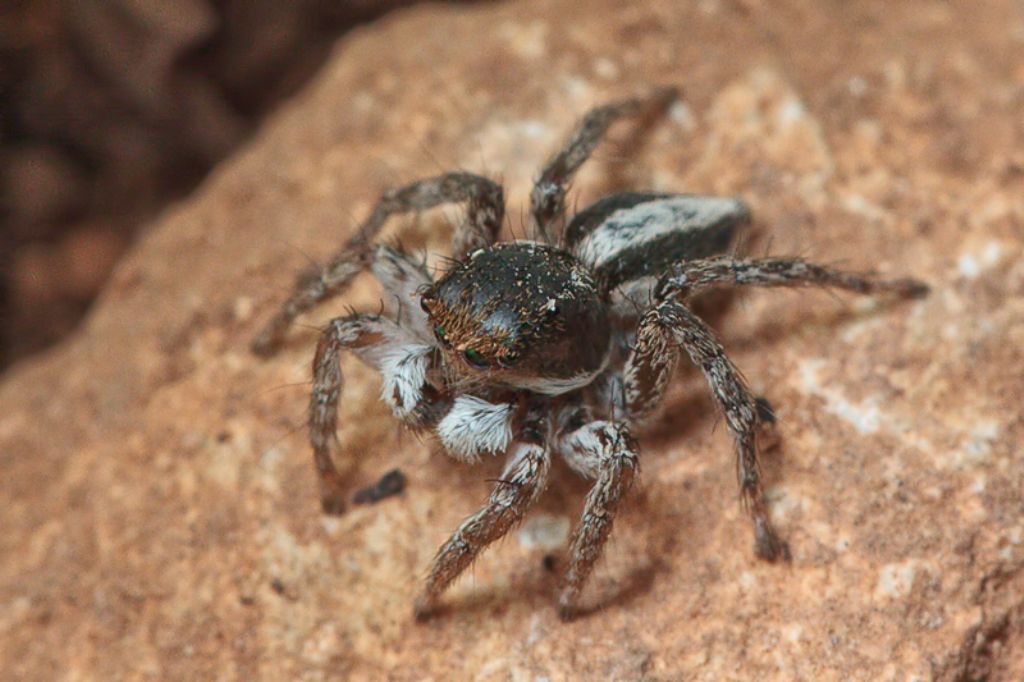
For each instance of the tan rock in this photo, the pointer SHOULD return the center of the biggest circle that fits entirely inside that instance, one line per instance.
(159, 505)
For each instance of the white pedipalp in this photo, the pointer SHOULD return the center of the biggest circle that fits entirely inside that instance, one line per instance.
(402, 278)
(404, 370)
(403, 361)
(474, 426)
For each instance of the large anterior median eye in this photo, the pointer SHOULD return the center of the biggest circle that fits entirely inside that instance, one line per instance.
(474, 358)
(508, 360)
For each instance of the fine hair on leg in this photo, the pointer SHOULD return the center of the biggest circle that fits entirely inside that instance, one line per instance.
(689, 277)
(403, 363)
(484, 215)
(607, 453)
(547, 200)
(520, 484)
(669, 324)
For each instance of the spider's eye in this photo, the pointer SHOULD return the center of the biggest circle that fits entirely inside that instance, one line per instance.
(508, 360)
(439, 333)
(474, 358)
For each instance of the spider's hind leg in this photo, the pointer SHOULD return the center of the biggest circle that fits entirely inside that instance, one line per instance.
(485, 212)
(669, 325)
(688, 277)
(547, 200)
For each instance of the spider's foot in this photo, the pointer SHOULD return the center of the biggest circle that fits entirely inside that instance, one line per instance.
(332, 503)
(768, 437)
(424, 609)
(567, 614)
(909, 288)
(566, 604)
(765, 413)
(768, 545)
(664, 95)
(264, 345)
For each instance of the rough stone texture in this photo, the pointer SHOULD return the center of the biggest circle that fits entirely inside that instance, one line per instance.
(159, 506)
(112, 109)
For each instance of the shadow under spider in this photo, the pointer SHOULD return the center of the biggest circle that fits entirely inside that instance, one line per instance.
(634, 575)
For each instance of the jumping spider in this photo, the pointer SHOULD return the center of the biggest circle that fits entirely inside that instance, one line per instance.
(555, 346)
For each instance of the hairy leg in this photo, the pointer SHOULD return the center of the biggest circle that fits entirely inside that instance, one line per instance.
(520, 484)
(485, 213)
(605, 452)
(689, 277)
(402, 276)
(403, 363)
(670, 325)
(547, 200)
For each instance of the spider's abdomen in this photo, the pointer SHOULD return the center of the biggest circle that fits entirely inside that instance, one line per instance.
(627, 236)
(529, 314)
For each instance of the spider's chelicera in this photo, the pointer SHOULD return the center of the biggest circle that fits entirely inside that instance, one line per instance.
(557, 346)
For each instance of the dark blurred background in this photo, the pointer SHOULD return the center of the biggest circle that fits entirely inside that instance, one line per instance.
(109, 109)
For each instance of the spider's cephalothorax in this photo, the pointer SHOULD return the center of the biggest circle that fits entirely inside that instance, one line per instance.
(523, 315)
(557, 346)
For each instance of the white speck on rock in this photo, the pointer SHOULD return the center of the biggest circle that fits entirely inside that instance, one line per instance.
(971, 265)
(535, 130)
(979, 444)
(859, 205)
(578, 89)
(243, 308)
(709, 7)
(1016, 535)
(681, 114)
(990, 256)
(544, 531)
(895, 580)
(529, 41)
(606, 68)
(968, 266)
(791, 112)
(864, 416)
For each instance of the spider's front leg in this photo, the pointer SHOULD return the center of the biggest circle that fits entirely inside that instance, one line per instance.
(521, 482)
(484, 215)
(404, 363)
(669, 325)
(547, 200)
(607, 453)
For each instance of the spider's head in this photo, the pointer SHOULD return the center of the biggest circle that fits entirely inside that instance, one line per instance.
(521, 314)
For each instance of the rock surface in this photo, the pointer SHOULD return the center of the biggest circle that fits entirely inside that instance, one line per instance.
(158, 502)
